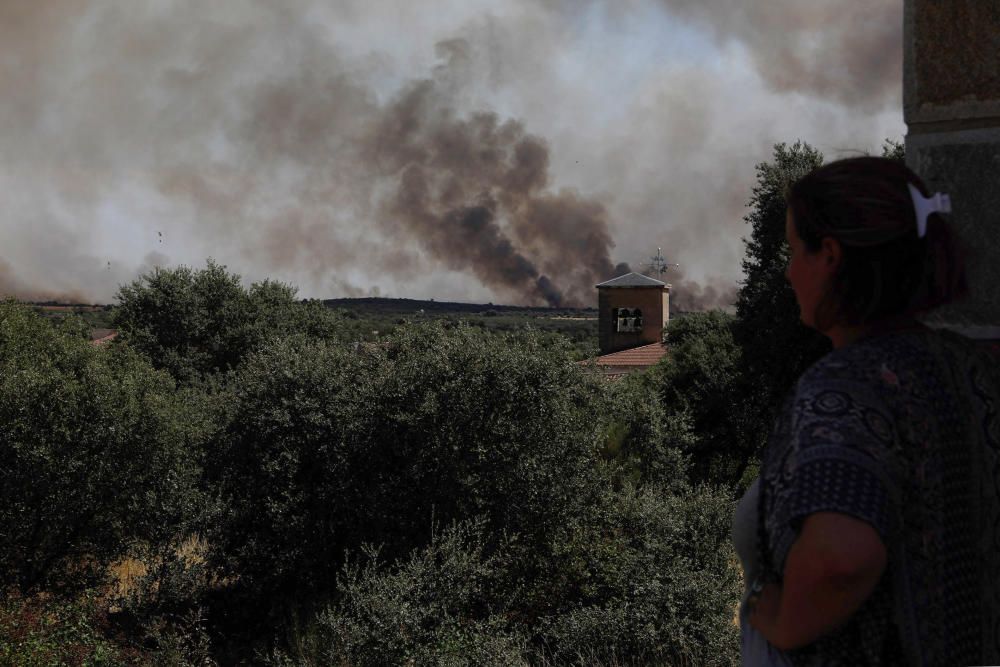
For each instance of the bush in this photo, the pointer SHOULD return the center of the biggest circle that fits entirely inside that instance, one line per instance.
(653, 579)
(35, 632)
(194, 323)
(650, 580)
(645, 443)
(98, 452)
(328, 448)
(448, 603)
(700, 386)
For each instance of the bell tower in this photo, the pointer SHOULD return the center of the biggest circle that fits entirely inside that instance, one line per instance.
(632, 311)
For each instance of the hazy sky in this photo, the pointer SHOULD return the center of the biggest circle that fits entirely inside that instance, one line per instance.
(509, 151)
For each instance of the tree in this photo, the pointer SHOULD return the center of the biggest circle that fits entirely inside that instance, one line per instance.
(98, 452)
(329, 449)
(776, 347)
(699, 385)
(194, 323)
(894, 150)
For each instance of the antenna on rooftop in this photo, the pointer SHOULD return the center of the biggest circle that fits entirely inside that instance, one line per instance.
(658, 265)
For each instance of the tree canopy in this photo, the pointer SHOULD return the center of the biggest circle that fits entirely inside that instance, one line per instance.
(99, 452)
(776, 347)
(194, 323)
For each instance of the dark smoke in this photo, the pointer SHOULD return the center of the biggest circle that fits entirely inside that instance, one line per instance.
(687, 296)
(621, 269)
(318, 142)
(472, 191)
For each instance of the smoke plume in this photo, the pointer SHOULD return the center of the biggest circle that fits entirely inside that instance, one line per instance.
(472, 191)
(518, 153)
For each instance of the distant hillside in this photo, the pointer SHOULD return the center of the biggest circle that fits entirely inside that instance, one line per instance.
(378, 305)
(96, 315)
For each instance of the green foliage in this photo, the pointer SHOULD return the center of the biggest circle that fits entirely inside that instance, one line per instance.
(894, 150)
(98, 453)
(197, 322)
(776, 347)
(649, 577)
(699, 385)
(447, 603)
(163, 604)
(578, 328)
(645, 441)
(35, 632)
(40, 631)
(329, 448)
(95, 317)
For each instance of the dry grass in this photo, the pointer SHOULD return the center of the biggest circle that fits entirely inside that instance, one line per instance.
(736, 565)
(126, 574)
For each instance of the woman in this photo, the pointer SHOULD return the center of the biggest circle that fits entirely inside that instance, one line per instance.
(871, 536)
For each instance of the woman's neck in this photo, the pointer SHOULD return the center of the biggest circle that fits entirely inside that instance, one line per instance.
(842, 335)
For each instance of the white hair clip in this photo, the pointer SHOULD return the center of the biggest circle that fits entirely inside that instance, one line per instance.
(924, 206)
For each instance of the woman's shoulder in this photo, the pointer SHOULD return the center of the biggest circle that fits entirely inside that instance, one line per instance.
(861, 364)
(871, 358)
(985, 354)
(904, 365)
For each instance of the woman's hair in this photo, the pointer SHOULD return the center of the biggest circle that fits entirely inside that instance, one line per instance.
(886, 269)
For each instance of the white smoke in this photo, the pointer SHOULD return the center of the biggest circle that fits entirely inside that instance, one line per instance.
(168, 131)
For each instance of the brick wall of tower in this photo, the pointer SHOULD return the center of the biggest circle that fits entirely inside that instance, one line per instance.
(654, 302)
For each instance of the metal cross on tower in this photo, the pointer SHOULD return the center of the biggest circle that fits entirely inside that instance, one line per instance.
(658, 265)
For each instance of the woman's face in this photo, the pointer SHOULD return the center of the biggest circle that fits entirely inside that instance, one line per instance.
(809, 273)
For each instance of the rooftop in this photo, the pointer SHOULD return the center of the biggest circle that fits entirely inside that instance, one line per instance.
(644, 355)
(102, 336)
(632, 280)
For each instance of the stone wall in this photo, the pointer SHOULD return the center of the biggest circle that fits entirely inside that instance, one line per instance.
(951, 105)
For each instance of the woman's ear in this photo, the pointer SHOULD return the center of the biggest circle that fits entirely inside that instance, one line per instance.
(831, 254)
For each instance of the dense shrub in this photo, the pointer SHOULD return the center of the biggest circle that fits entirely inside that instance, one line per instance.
(329, 448)
(700, 384)
(97, 452)
(447, 603)
(38, 632)
(652, 579)
(194, 323)
(645, 441)
(42, 631)
(649, 580)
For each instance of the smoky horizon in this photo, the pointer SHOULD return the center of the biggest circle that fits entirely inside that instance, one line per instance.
(518, 153)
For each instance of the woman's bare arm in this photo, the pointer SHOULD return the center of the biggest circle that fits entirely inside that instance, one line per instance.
(831, 569)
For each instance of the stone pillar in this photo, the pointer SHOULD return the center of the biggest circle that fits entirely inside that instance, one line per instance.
(951, 105)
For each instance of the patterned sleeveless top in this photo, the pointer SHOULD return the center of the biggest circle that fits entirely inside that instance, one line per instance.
(903, 432)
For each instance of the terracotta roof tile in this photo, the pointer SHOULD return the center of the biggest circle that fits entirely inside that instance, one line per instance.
(645, 355)
(102, 336)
